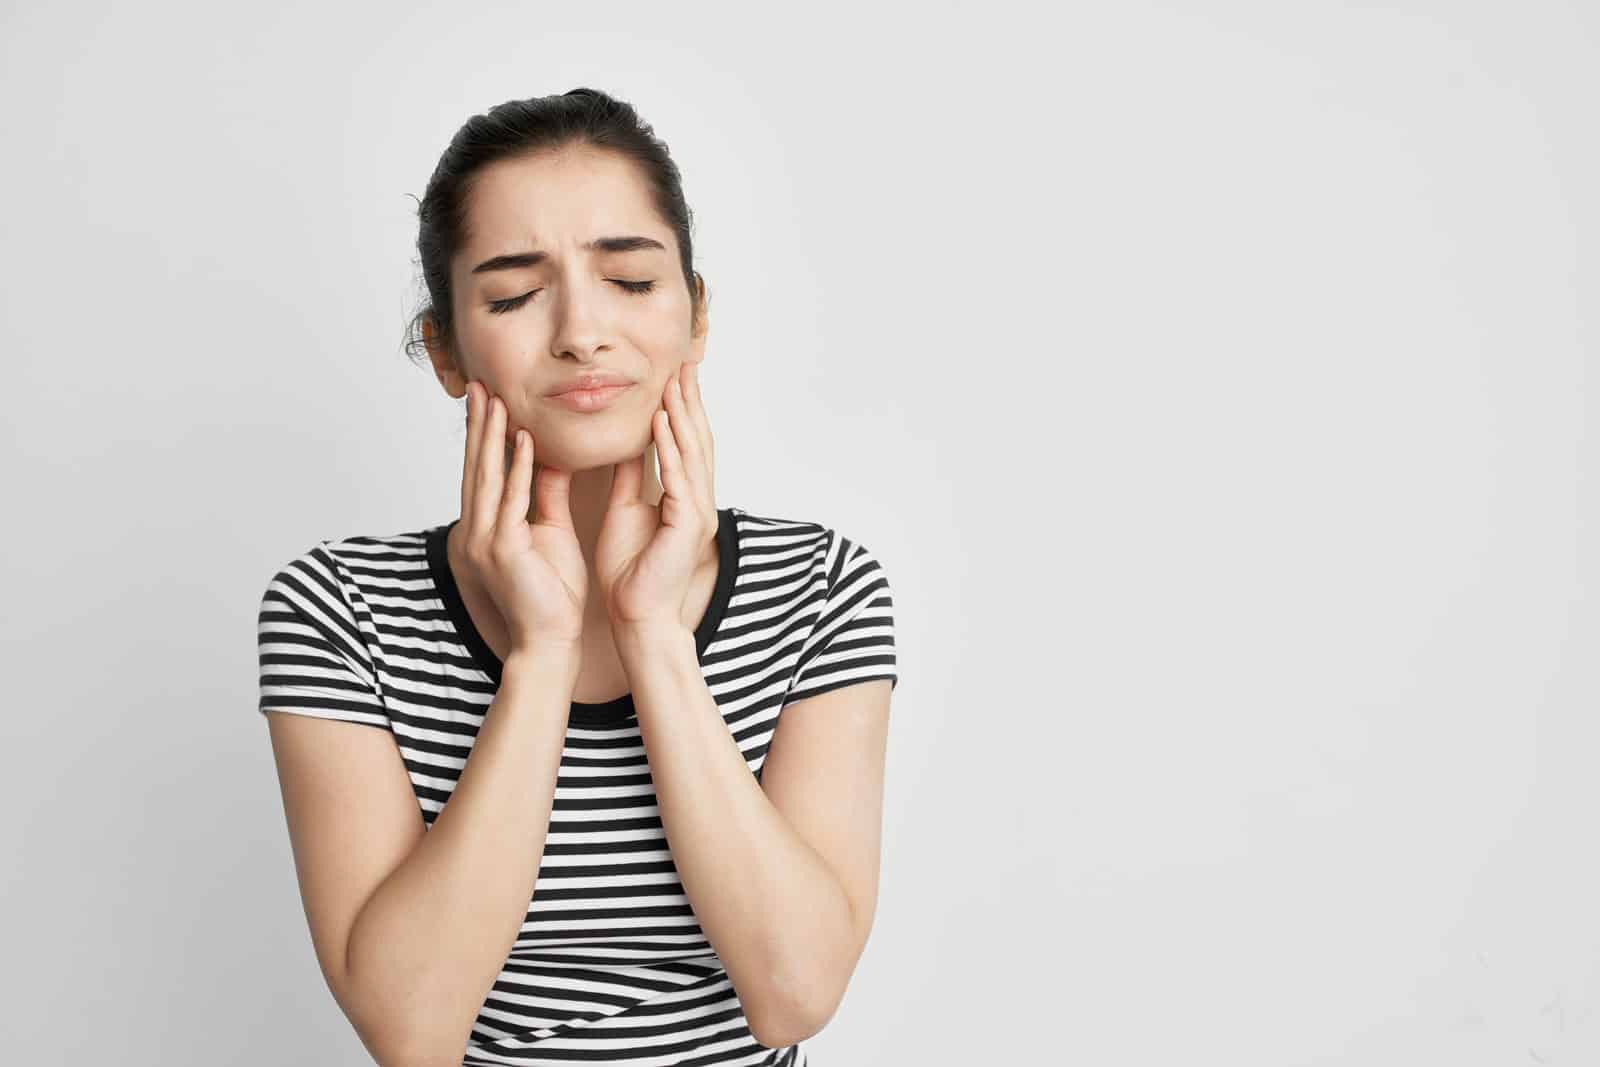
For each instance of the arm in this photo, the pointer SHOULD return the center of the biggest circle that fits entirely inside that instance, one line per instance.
(785, 924)
(425, 949)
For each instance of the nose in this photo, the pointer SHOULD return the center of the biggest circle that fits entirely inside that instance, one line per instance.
(580, 328)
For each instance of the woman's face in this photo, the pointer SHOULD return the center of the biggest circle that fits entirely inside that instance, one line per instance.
(580, 317)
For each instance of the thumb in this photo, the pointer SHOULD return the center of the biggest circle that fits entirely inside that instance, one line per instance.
(626, 478)
(553, 497)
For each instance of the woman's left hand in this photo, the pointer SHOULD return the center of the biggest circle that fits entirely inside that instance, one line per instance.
(645, 555)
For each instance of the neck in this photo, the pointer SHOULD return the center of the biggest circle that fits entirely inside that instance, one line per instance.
(590, 494)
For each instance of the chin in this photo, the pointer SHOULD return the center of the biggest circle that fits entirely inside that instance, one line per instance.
(590, 447)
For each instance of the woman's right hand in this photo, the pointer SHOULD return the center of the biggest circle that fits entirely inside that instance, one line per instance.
(534, 570)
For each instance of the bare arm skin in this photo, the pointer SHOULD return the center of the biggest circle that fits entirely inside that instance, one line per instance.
(785, 895)
(411, 925)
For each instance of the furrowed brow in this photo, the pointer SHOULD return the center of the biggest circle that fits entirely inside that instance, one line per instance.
(520, 260)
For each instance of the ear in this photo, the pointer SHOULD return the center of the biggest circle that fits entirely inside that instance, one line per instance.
(450, 378)
(697, 335)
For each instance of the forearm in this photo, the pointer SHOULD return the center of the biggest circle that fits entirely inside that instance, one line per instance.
(428, 945)
(776, 915)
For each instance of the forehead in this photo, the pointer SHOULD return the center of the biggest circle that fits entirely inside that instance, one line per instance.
(555, 201)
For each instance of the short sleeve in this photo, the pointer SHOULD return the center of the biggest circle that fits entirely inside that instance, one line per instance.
(313, 658)
(853, 639)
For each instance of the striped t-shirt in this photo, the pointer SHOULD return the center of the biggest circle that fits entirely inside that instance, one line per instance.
(610, 963)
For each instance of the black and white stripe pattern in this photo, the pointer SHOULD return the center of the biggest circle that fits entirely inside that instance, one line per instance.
(610, 963)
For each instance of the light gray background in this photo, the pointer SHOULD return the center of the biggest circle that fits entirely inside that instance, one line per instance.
(1215, 383)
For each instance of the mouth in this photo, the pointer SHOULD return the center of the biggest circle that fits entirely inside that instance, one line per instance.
(590, 399)
(593, 380)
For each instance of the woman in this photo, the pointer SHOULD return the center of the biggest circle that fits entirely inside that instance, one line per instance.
(624, 796)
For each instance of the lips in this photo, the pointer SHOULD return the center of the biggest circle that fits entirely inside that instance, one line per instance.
(592, 380)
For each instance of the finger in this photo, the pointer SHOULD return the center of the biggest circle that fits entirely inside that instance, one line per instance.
(491, 477)
(627, 481)
(673, 479)
(684, 438)
(469, 464)
(697, 409)
(705, 423)
(514, 503)
(677, 405)
(554, 487)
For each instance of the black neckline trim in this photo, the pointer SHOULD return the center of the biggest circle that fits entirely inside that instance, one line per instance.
(608, 711)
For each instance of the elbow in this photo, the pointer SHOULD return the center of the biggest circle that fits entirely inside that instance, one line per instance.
(400, 1042)
(781, 1032)
(782, 1018)
(415, 1051)
(429, 1058)
(420, 1055)
(397, 1037)
(390, 1045)
(770, 1041)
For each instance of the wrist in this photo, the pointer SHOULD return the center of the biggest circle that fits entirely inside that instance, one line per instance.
(546, 657)
(650, 633)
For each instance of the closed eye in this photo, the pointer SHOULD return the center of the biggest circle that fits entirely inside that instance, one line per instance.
(500, 307)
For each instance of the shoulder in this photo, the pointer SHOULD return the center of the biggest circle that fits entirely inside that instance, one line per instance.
(335, 567)
(832, 553)
(832, 594)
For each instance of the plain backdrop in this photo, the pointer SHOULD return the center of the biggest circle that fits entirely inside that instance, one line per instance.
(1216, 384)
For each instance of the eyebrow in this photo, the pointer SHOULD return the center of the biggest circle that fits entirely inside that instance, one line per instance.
(518, 260)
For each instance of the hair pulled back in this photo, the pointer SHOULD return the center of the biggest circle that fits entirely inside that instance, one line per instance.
(524, 127)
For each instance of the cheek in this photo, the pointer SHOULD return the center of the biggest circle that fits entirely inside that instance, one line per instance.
(668, 351)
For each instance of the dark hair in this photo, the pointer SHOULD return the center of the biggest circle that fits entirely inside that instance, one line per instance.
(524, 127)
